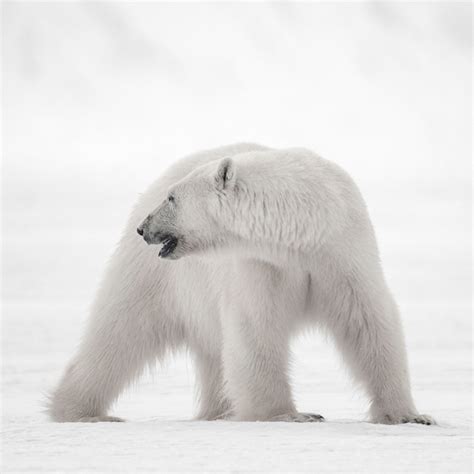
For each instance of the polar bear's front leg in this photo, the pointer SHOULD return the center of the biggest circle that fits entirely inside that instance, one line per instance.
(214, 405)
(258, 318)
(367, 329)
(255, 367)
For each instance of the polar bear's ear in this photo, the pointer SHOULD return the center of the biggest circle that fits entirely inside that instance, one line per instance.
(225, 176)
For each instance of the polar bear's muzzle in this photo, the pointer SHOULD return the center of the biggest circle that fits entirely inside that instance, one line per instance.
(169, 241)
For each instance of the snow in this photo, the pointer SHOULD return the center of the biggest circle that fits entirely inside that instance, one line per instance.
(159, 435)
(100, 97)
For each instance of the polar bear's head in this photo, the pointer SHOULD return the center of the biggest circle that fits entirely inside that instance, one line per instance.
(259, 203)
(190, 218)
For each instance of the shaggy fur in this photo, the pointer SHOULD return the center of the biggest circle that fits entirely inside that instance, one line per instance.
(256, 245)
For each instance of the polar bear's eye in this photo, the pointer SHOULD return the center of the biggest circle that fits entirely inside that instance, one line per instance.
(170, 198)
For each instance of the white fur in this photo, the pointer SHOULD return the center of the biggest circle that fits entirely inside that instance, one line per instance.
(273, 241)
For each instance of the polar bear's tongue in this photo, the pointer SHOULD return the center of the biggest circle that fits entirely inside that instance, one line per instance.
(169, 244)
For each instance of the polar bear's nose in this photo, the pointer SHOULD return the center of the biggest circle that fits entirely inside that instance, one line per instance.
(140, 231)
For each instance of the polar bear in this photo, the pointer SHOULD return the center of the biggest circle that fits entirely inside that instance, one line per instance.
(256, 244)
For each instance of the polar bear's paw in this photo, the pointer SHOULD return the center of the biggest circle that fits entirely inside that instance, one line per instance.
(395, 420)
(298, 418)
(100, 419)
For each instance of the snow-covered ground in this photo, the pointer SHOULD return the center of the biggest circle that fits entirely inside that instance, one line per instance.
(98, 98)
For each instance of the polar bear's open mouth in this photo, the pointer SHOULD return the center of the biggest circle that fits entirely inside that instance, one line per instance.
(169, 245)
